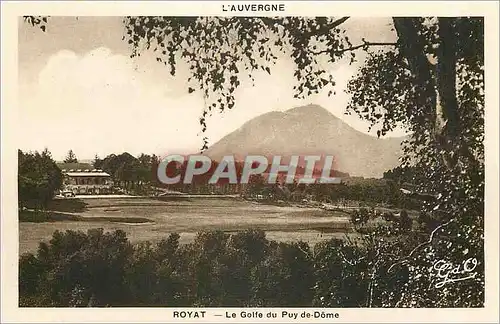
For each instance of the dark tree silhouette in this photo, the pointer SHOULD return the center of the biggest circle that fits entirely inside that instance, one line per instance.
(39, 178)
(71, 157)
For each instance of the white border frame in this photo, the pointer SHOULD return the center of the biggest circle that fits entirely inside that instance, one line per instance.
(10, 11)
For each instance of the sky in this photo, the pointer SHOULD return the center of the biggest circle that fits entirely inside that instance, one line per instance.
(79, 89)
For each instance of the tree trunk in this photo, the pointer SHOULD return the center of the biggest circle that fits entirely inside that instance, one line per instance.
(446, 76)
(437, 79)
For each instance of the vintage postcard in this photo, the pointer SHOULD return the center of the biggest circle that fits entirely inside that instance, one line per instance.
(250, 162)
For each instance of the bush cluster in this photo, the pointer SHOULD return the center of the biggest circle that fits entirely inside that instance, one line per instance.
(102, 269)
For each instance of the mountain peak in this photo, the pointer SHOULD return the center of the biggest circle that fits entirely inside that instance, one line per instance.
(311, 130)
(310, 109)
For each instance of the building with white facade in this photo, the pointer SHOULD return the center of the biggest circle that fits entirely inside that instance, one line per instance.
(81, 179)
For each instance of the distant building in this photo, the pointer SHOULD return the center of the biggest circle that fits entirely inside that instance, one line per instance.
(82, 179)
(412, 190)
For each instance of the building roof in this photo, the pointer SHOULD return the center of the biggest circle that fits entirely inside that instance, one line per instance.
(87, 174)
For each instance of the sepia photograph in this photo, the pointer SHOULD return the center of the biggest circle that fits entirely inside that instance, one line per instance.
(259, 161)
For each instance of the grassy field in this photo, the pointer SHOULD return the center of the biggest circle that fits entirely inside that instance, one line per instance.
(154, 219)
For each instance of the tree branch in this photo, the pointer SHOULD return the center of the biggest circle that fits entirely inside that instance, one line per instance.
(311, 256)
(365, 45)
(339, 22)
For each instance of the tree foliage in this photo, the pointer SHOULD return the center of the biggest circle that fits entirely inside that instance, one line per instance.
(71, 157)
(39, 179)
(245, 269)
(129, 172)
(40, 21)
